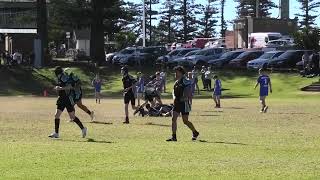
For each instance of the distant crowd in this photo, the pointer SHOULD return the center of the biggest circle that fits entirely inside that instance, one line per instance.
(16, 58)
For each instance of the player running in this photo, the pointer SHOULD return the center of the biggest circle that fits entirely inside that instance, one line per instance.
(264, 82)
(65, 101)
(217, 91)
(128, 84)
(76, 84)
(182, 93)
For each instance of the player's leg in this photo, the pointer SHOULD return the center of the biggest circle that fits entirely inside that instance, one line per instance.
(263, 103)
(99, 96)
(85, 108)
(195, 133)
(75, 119)
(57, 115)
(126, 111)
(218, 100)
(175, 116)
(215, 100)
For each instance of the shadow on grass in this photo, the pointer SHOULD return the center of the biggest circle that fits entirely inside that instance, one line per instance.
(161, 125)
(234, 108)
(208, 115)
(98, 122)
(89, 140)
(221, 142)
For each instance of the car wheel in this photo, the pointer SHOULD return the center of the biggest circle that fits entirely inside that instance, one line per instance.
(265, 65)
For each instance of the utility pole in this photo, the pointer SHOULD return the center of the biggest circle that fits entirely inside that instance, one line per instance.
(144, 24)
(257, 8)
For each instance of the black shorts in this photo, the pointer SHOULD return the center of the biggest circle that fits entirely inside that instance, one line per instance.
(65, 103)
(182, 107)
(129, 96)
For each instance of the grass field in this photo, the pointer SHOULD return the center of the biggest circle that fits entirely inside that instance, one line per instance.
(236, 142)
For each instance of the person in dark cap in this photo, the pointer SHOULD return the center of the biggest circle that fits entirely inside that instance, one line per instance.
(65, 101)
(129, 83)
(181, 104)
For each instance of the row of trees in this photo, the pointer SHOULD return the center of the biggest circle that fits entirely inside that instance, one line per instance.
(176, 19)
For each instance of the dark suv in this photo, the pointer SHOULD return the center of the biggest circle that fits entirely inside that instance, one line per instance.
(288, 59)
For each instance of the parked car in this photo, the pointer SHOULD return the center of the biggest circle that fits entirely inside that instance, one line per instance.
(128, 55)
(178, 61)
(225, 59)
(262, 61)
(202, 57)
(242, 60)
(279, 43)
(133, 55)
(175, 54)
(288, 59)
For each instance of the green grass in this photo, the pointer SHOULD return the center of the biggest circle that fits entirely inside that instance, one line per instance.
(239, 83)
(237, 142)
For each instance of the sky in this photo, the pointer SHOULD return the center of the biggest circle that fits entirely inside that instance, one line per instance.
(230, 13)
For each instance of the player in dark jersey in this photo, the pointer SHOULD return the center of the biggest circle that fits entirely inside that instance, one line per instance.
(65, 101)
(264, 82)
(129, 83)
(181, 104)
(76, 84)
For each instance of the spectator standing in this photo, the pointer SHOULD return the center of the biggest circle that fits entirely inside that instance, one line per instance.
(195, 77)
(163, 76)
(208, 77)
(203, 71)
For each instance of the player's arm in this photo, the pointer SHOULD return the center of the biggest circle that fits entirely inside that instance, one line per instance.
(59, 88)
(256, 85)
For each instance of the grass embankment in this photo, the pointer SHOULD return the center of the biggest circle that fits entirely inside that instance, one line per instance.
(21, 81)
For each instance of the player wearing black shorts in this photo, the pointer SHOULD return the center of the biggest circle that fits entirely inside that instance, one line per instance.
(181, 104)
(65, 101)
(76, 84)
(128, 95)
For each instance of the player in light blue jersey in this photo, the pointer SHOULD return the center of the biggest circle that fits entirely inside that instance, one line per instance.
(264, 82)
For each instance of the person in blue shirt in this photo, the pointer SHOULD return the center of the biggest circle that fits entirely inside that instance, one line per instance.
(217, 91)
(97, 83)
(264, 82)
(140, 87)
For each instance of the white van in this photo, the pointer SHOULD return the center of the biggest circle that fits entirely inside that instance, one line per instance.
(260, 40)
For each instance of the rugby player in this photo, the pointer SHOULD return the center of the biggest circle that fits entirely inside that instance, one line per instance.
(181, 104)
(264, 82)
(65, 101)
(128, 84)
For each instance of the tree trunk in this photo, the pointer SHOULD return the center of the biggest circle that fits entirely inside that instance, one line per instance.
(42, 30)
(97, 32)
(185, 21)
(150, 23)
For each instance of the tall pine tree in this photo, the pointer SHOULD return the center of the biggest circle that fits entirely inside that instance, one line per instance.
(309, 10)
(223, 23)
(248, 8)
(208, 21)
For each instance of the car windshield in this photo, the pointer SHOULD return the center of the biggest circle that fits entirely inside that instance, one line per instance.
(203, 52)
(173, 53)
(245, 54)
(231, 54)
(271, 37)
(127, 51)
(287, 54)
(267, 55)
(184, 52)
(191, 53)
